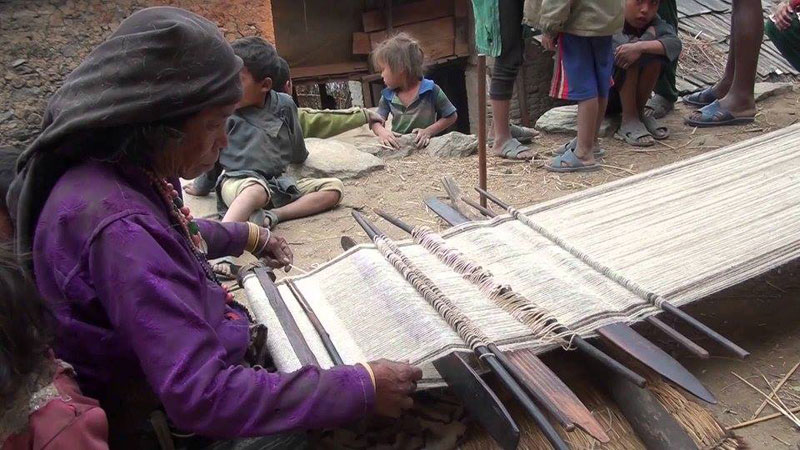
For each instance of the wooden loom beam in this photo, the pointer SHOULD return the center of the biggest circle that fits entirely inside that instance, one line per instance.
(494, 364)
(312, 317)
(293, 333)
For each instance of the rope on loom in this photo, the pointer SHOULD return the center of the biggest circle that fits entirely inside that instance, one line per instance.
(541, 322)
(467, 330)
(627, 283)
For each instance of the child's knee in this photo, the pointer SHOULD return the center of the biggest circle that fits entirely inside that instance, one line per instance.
(256, 194)
(336, 189)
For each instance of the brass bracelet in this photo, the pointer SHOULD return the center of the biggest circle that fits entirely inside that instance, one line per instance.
(253, 233)
(371, 374)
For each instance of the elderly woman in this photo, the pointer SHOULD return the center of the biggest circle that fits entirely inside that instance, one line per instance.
(123, 264)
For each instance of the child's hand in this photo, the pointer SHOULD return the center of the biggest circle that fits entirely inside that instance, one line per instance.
(386, 138)
(423, 137)
(549, 41)
(627, 54)
(783, 16)
(373, 117)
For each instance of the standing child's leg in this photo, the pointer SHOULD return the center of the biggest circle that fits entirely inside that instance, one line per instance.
(588, 111)
(603, 56)
(574, 79)
(748, 32)
(738, 104)
(504, 74)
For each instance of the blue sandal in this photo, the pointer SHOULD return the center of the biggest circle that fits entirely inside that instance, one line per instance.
(512, 149)
(569, 162)
(700, 98)
(714, 115)
(598, 153)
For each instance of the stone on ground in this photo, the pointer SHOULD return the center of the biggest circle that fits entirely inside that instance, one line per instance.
(332, 158)
(453, 144)
(766, 90)
(564, 119)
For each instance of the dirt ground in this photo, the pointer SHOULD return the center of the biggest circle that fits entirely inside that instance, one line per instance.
(761, 315)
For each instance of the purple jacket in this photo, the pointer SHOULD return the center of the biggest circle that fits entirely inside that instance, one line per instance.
(132, 303)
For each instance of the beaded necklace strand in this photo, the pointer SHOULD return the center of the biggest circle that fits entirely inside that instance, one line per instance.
(181, 214)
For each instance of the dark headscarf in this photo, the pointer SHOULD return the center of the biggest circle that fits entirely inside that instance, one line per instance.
(161, 63)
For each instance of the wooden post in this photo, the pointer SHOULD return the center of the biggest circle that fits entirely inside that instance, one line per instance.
(482, 125)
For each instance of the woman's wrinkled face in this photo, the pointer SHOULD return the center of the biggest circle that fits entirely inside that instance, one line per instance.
(204, 137)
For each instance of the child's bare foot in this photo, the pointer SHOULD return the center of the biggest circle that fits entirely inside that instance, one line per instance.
(191, 189)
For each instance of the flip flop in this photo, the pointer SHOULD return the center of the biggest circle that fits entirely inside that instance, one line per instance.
(270, 219)
(512, 148)
(632, 133)
(657, 130)
(713, 115)
(598, 153)
(524, 135)
(573, 163)
(658, 107)
(700, 98)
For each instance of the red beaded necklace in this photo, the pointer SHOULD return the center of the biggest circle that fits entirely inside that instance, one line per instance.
(181, 214)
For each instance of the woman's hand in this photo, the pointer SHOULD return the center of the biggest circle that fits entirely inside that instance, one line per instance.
(273, 250)
(394, 384)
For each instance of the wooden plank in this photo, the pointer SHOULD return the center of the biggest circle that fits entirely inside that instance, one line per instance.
(478, 399)
(461, 28)
(653, 424)
(436, 37)
(538, 376)
(408, 13)
(445, 211)
(328, 69)
(644, 351)
(296, 339)
(361, 43)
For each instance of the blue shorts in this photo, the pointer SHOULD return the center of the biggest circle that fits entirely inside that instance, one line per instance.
(584, 67)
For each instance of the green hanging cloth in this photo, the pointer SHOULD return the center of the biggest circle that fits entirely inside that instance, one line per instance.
(487, 27)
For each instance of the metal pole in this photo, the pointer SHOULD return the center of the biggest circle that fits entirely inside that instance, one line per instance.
(482, 125)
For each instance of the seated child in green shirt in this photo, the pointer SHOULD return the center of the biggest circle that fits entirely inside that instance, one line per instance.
(417, 104)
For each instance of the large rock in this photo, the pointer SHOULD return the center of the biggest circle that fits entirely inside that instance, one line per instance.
(332, 158)
(373, 147)
(766, 90)
(564, 119)
(453, 144)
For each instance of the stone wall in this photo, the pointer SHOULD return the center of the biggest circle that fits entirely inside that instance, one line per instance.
(44, 40)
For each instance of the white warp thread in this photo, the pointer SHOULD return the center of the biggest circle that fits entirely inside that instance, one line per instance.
(465, 328)
(541, 323)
